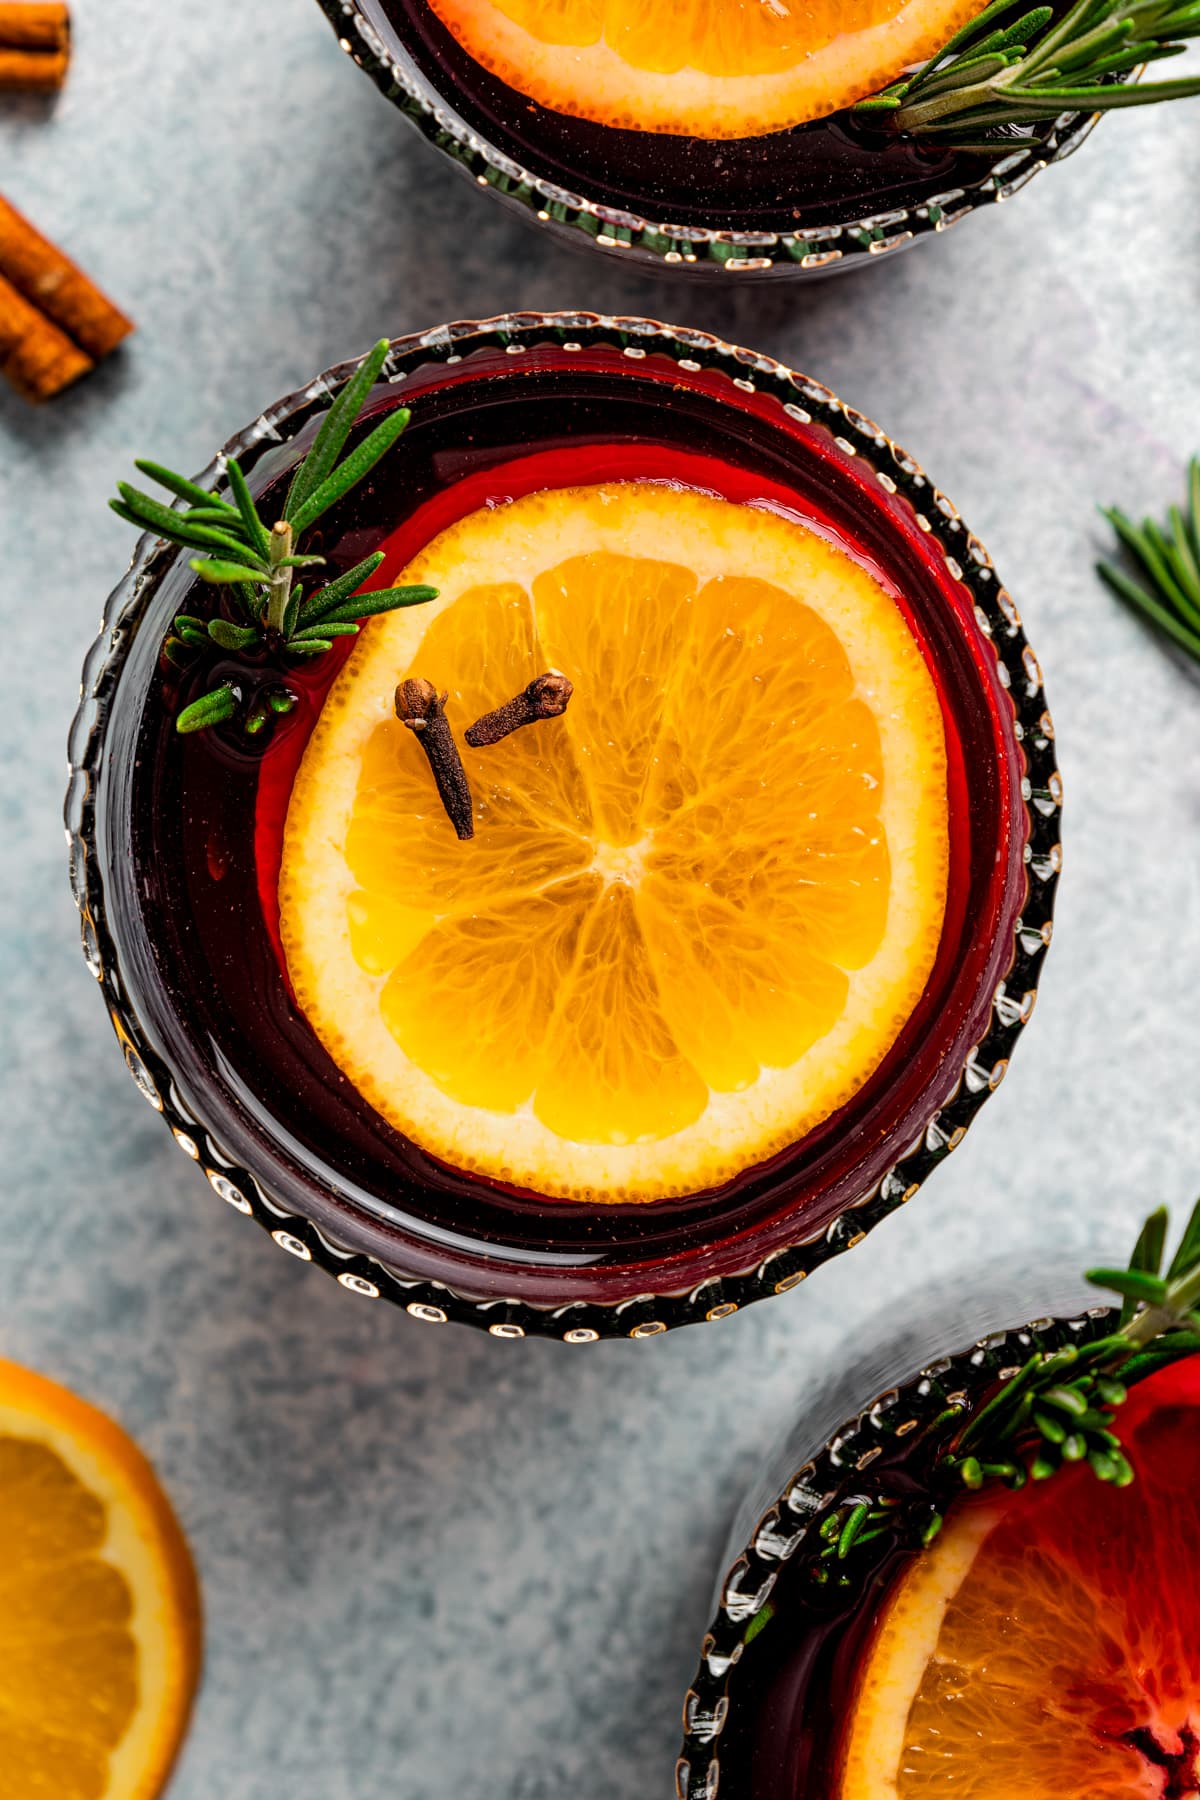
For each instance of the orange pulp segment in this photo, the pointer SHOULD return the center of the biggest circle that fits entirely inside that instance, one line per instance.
(1048, 1645)
(99, 1606)
(698, 907)
(701, 68)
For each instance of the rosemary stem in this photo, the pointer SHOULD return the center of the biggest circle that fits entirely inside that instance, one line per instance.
(279, 591)
(1150, 1323)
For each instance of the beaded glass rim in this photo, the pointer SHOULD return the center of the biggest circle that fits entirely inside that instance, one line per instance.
(817, 250)
(646, 1314)
(812, 1493)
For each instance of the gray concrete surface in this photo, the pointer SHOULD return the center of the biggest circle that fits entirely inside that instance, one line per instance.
(436, 1565)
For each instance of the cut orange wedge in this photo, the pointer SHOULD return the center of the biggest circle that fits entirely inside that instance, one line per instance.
(1048, 1646)
(701, 68)
(697, 909)
(99, 1606)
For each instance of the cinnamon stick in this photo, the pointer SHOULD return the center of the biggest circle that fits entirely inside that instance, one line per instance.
(38, 358)
(35, 45)
(32, 72)
(34, 25)
(56, 286)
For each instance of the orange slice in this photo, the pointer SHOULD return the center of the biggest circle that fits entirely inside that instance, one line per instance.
(99, 1607)
(701, 68)
(1048, 1646)
(698, 907)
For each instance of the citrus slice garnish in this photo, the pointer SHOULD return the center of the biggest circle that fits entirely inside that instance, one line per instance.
(701, 68)
(697, 908)
(99, 1606)
(1048, 1645)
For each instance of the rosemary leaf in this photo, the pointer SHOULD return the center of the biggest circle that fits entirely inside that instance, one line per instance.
(256, 562)
(336, 427)
(354, 469)
(231, 637)
(215, 570)
(1147, 1256)
(382, 600)
(335, 592)
(1169, 558)
(991, 74)
(328, 628)
(153, 516)
(1188, 1254)
(256, 531)
(211, 709)
(184, 489)
(211, 515)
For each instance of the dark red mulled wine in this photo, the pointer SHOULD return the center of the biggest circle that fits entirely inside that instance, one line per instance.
(790, 1687)
(184, 842)
(825, 196)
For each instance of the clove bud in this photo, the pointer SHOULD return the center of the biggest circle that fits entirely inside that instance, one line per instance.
(546, 697)
(419, 707)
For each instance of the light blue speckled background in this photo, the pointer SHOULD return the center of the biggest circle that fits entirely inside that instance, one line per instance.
(436, 1565)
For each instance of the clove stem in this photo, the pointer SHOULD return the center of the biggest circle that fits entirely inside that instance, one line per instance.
(419, 707)
(546, 697)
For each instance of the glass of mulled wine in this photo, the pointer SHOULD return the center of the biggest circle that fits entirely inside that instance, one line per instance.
(723, 958)
(882, 1630)
(753, 161)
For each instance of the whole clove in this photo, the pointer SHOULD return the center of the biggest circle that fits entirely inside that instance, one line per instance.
(546, 697)
(419, 706)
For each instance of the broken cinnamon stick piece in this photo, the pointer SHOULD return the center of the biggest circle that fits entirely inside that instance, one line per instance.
(32, 71)
(34, 25)
(35, 45)
(38, 358)
(57, 286)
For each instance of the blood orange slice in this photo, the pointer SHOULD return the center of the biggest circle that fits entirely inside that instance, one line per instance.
(1048, 1646)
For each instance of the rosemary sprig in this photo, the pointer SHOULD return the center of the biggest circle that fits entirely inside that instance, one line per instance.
(255, 564)
(1169, 558)
(992, 74)
(1058, 1409)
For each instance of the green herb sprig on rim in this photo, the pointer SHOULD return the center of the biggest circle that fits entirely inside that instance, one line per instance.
(1058, 1409)
(256, 563)
(992, 74)
(1169, 558)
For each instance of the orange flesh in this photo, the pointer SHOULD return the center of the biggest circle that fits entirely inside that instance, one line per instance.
(701, 68)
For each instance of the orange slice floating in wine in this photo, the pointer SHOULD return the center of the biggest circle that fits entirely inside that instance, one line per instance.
(701, 68)
(99, 1607)
(697, 908)
(1048, 1645)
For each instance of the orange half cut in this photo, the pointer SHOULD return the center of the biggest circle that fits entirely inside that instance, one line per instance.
(701, 68)
(697, 909)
